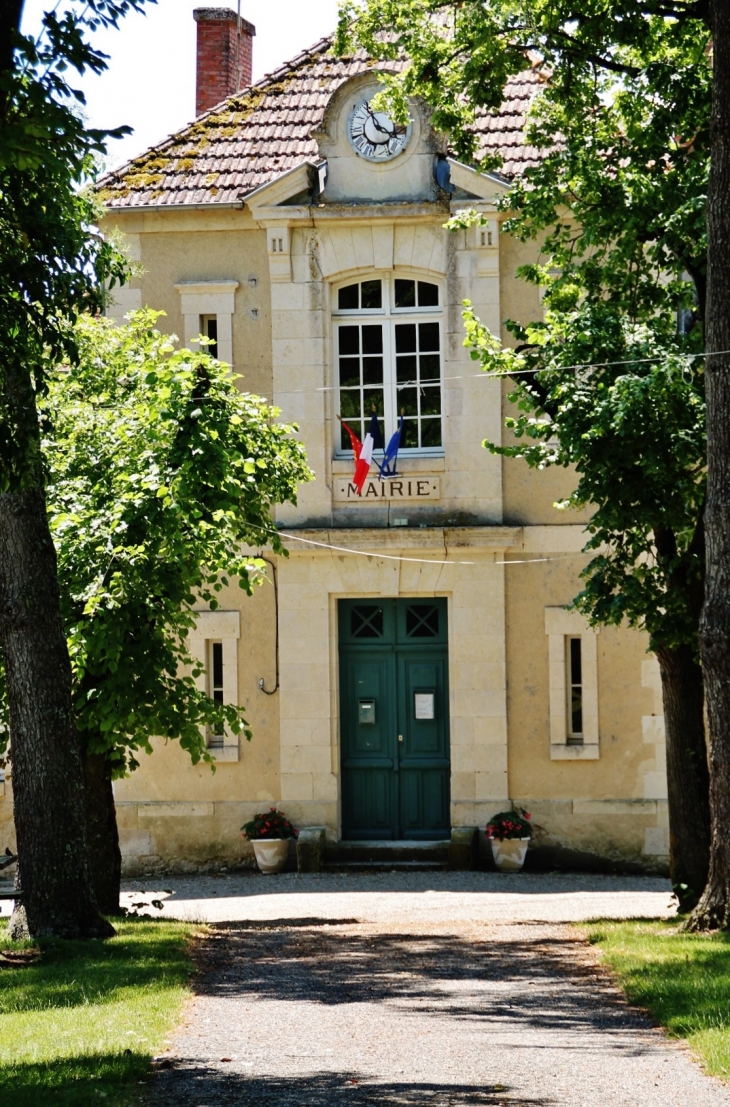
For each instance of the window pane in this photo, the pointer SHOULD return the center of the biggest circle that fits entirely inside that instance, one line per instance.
(405, 294)
(405, 338)
(350, 406)
(430, 401)
(349, 338)
(422, 621)
(210, 330)
(366, 622)
(349, 372)
(430, 432)
(372, 370)
(575, 662)
(430, 368)
(217, 652)
(576, 711)
(410, 434)
(406, 370)
(372, 401)
(407, 401)
(371, 294)
(345, 443)
(428, 294)
(428, 336)
(372, 340)
(347, 298)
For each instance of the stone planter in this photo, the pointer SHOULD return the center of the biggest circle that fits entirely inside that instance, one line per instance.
(509, 855)
(271, 854)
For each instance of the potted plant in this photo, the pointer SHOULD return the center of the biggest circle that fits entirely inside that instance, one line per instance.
(269, 833)
(509, 834)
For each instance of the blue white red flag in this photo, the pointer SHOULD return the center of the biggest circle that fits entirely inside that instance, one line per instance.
(387, 467)
(362, 466)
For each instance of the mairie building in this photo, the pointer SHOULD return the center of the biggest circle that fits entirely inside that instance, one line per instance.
(412, 667)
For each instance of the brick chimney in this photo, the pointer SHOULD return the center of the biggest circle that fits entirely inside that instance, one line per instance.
(222, 50)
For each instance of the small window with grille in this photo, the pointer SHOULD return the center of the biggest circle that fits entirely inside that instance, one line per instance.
(366, 621)
(422, 621)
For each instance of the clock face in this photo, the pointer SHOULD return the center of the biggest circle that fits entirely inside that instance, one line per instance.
(374, 134)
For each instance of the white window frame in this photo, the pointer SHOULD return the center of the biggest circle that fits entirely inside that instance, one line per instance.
(390, 316)
(560, 627)
(223, 627)
(201, 298)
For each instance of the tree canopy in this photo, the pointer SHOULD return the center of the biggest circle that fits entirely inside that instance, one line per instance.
(161, 479)
(53, 266)
(611, 379)
(53, 261)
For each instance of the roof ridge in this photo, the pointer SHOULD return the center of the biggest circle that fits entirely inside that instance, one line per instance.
(268, 78)
(286, 67)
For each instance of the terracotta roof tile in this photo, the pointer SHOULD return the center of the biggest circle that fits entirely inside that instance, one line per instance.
(266, 129)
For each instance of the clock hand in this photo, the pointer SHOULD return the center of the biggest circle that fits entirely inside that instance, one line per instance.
(389, 131)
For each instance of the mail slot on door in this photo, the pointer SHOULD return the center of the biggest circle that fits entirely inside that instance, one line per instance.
(366, 713)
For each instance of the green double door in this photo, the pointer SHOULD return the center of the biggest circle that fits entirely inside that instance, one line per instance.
(394, 706)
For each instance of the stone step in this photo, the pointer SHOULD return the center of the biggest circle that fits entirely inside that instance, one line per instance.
(387, 855)
(384, 866)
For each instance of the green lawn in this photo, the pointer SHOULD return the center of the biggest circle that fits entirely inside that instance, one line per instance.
(80, 1025)
(683, 980)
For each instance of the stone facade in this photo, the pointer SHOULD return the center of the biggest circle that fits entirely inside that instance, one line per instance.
(463, 525)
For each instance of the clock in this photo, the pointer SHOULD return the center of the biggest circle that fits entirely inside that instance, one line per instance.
(374, 135)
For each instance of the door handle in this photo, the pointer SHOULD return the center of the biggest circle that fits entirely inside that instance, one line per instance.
(400, 737)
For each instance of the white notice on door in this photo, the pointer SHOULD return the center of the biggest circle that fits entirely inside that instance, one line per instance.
(424, 708)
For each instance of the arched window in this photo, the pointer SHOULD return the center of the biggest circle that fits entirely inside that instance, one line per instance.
(388, 358)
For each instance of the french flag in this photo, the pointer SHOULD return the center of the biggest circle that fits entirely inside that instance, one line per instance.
(363, 451)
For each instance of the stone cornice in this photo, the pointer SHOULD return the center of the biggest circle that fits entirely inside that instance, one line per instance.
(440, 540)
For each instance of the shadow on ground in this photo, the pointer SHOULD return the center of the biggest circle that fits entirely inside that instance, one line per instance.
(524, 980)
(73, 1082)
(208, 1087)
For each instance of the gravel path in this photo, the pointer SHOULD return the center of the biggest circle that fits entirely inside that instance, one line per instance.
(411, 991)
(434, 897)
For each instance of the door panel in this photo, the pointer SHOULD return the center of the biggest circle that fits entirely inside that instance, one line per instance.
(367, 797)
(424, 803)
(424, 751)
(394, 718)
(368, 731)
(422, 683)
(368, 722)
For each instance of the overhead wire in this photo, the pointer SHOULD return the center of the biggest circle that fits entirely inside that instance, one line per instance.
(507, 374)
(416, 560)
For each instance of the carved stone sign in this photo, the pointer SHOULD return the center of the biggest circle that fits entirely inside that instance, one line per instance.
(399, 488)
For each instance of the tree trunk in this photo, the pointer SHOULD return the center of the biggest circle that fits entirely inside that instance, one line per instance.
(48, 786)
(713, 910)
(687, 773)
(105, 856)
